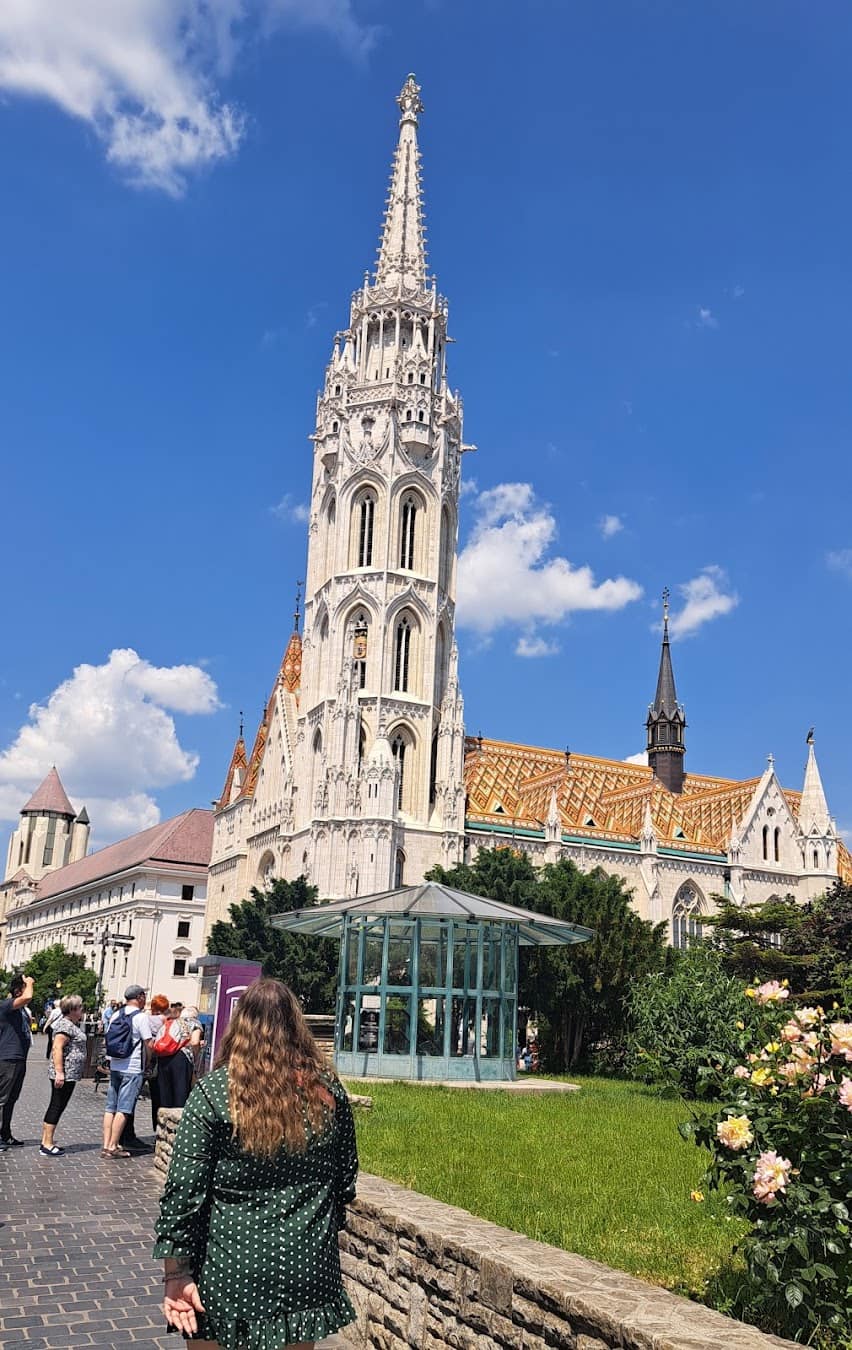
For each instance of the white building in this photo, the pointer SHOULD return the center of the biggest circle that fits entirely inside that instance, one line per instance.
(360, 776)
(139, 904)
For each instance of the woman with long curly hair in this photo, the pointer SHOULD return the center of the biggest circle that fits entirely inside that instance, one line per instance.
(264, 1164)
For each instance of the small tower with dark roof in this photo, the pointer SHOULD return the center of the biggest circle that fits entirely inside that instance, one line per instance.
(666, 722)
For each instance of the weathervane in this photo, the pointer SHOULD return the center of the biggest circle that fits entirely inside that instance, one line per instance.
(241, 723)
(666, 594)
(297, 614)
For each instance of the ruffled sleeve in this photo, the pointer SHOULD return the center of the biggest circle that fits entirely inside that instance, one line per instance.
(181, 1228)
(346, 1161)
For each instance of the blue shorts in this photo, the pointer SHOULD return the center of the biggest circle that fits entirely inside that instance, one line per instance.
(123, 1090)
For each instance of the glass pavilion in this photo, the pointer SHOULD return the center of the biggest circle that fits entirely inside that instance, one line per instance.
(428, 983)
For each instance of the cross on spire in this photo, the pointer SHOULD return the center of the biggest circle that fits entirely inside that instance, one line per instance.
(666, 594)
(297, 613)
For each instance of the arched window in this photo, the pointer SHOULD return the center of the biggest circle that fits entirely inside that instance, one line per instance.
(445, 562)
(408, 414)
(399, 747)
(331, 520)
(365, 521)
(440, 661)
(777, 842)
(362, 744)
(266, 872)
(686, 916)
(316, 763)
(766, 843)
(421, 416)
(815, 856)
(360, 638)
(407, 532)
(402, 655)
(399, 869)
(433, 769)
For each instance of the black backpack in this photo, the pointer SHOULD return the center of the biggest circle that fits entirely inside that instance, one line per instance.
(119, 1040)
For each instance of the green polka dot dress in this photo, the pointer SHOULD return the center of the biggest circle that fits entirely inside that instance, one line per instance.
(260, 1234)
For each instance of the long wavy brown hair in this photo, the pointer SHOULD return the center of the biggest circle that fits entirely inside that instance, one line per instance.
(276, 1093)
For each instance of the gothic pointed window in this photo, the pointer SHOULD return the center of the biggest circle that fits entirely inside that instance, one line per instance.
(777, 842)
(407, 533)
(359, 650)
(433, 769)
(686, 916)
(398, 747)
(399, 869)
(365, 520)
(402, 655)
(766, 843)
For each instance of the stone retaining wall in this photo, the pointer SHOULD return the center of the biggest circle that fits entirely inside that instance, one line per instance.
(427, 1275)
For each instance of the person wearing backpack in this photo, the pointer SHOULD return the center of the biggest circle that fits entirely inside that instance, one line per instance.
(128, 1038)
(176, 1048)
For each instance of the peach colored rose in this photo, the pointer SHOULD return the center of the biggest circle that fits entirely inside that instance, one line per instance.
(735, 1132)
(741, 1071)
(770, 1176)
(841, 1040)
(844, 1094)
(772, 991)
(791, 1031)
(808, 1017)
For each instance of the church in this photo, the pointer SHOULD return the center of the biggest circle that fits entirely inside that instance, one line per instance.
(360, 776)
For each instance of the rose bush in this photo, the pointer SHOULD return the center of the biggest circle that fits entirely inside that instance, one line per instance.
(781, 1147)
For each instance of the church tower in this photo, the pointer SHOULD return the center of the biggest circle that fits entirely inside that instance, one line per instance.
(380, 713)
(666, 719)
(51, 833)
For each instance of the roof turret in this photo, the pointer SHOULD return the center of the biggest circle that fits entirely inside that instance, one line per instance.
(50, 795)
(813, 809)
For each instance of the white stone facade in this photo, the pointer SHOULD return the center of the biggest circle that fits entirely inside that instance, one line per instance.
(360, 777)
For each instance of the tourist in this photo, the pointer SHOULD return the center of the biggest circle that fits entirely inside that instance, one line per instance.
(15, 1040)
(65, 1068)
(176, 1066)
(157, 1016)
(128, 1037)
(264, 1164)
(110, 1009)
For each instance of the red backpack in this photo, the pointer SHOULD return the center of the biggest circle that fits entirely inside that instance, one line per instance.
(169, 1042)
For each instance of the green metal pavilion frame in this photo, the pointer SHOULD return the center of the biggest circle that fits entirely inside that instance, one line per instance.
(428, 981)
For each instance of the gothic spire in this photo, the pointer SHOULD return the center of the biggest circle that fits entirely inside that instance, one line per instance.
(402, 249)
(665, 699)
(666, 720)
(813, 809)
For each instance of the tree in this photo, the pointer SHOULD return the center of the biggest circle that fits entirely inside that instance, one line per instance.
(57, 972)
(578, 992)
(759, 942)
(825, 935)
(307, 964)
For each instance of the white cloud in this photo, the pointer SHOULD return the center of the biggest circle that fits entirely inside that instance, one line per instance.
(142, 73)
(294, 513)
(531, 645)
(108, 730)
(738, 291)
(640, 758)
(840, 561)
(706, 318)
(706, 597)
(506, 577)
(610, 525)
(469, 488)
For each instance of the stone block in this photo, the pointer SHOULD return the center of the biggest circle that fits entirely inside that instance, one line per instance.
(495, 1285)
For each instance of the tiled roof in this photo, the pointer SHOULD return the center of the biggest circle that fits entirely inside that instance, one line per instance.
(291, 666)
(844, 863)
(603, 797)
(238, 765)
(50, 795)
(184, 839)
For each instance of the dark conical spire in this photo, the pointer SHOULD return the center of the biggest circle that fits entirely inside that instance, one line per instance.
(665, 699)
(666, 719)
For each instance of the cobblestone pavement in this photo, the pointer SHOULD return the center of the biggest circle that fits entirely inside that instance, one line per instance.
(76, 1233)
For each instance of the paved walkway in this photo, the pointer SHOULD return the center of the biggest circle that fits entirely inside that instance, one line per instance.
(76, 1233)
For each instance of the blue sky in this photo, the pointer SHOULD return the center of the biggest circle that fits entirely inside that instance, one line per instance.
(640, 215)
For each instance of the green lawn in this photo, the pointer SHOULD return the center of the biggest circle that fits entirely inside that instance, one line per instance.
(602, 1172)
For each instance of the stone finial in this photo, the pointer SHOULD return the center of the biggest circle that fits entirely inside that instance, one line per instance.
(410, 102)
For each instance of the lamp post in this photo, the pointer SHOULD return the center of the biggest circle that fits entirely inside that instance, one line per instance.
(104, 939)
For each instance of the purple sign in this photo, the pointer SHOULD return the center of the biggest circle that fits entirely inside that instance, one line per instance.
(223, 982)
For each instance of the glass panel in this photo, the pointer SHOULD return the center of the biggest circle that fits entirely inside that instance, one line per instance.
(509, 1046)
(352, 956)
(430, 1026)
(400, 953)
(463, 1027)
(510, 961)
(397, 1025)
(374, 943)
(491, 958)
(489, 1031)
(368, 1029)
(464, 957)
(434, 942)
(347, 1022)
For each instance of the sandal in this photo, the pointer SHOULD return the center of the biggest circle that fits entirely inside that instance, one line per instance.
(113, 1153)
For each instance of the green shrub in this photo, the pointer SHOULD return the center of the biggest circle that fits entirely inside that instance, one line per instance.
(781, 1144)
(687, 1021)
